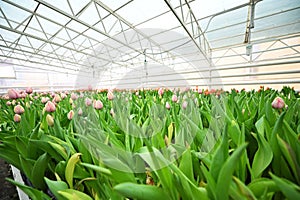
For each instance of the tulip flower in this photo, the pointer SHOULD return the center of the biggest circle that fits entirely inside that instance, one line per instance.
(112, 112)
(8, 103)
(278, 103)
(90, 88)
(50, 107)
(98, 105)
(160, 91)
(174, 98)
(50, 120)
(168, 106)
(70, 115)
(88, 101)
(80, 111)
(57, 98)
(70, 101)
(110, 95)
(45, 99)
(18, 109)
(12, 94)
(63, 95)
(184, 104)
(17, 118)
(29, 90)
(74, 96)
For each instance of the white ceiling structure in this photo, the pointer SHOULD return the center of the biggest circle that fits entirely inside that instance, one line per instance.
(69, 44)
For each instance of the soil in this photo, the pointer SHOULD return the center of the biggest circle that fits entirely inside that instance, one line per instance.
(8, 191)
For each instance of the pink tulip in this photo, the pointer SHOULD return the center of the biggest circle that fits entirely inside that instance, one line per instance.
(88, 101)
(160, 91)
(168, 106)
(174, 98)
(8, 103)
(12, 94)
(63, 95)
(45, 99)
(18, 109)
(29, 90)
(50, 120)
(50, 107)
(57, 98)
(112, 112)
(17, 118)
(184, 105)
(98, 105)
(90, 88)
(70, 115)
(200, 91)
(80, 111)
(278, 103)
(74, 96)
(110, 95)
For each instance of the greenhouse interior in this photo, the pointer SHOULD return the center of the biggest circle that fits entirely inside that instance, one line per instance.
(161, 99)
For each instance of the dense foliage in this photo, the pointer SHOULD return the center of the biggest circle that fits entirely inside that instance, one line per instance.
(151, 144)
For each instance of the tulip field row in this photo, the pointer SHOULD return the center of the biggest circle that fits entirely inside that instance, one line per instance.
(153, 144)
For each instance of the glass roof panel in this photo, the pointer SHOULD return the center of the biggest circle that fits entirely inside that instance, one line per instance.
(68, 35)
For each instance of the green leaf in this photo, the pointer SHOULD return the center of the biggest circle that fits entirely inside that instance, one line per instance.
(262, 157)
(34, 194)
(242, 190)
(186, 164)
(226, 172)
(55, 187)
(141, 192)
(38, 171)
(220, 156)
(262, 185)
(96, 168)
(74, 194)
(26, 166)
(59, 149)
(288, 188)
(75, 158)
(290, 157)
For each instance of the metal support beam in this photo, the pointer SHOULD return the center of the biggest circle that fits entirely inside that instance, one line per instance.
(203, 48)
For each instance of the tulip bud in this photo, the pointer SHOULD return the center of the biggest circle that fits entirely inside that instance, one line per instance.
(70, 114)
(63, 95)
(50, 107)
(44, 100)
(110, 95)
(8, 103)
(17, 118)
(74, 96)
(12, 94)
(88, 101)
(57, 98)
(29, 90)
(50, 120)
(278, 103)
(112, 112)
(18, 109)
(70, 101)
(184, 105)
(160, 91)
(174, 98)
(80, 112)
(98, 105)
(168, 105)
